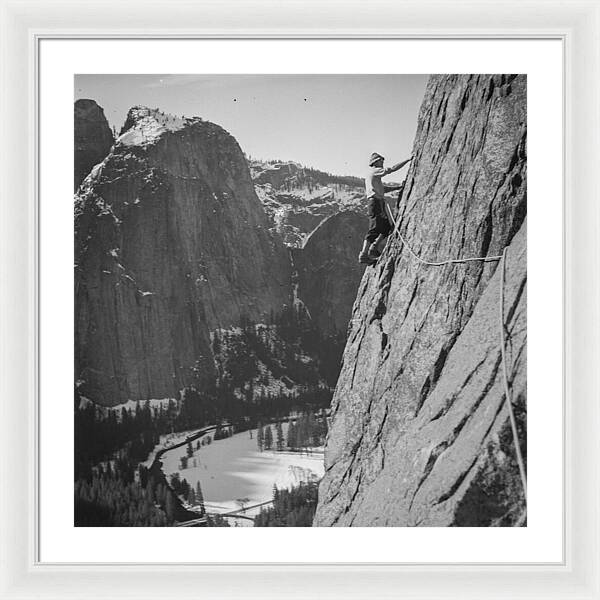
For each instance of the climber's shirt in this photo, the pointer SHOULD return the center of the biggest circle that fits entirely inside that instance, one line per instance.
(373, 184)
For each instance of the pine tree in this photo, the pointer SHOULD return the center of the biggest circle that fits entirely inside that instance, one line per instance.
(216, 343)
(200, 498)
(160, 493)
(268, 443)
(302, 432)
(170, 507)
(190, 450)
(150, 490)
(185, 488)
(313, 431)
(279, 432)
(260, 437)
(292, 440)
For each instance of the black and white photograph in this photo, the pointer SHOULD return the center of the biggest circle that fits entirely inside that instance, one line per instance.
(300, 300)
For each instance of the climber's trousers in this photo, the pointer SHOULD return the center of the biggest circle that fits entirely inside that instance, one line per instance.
(378, 225)
(378, 221)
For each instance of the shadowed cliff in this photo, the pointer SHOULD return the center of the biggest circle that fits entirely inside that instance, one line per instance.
(93, 138)
(171, 242)
(328, 272)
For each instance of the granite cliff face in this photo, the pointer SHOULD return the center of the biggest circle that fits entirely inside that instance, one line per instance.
(327, 269)
(93, 138)
(420, 432)
(171, 242)
(297, 199)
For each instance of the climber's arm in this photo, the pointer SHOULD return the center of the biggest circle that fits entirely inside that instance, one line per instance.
(397, 166)
(390, 187)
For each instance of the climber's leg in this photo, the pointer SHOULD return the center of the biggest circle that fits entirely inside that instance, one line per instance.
(371, 236)
(374, 221)
(384, 229)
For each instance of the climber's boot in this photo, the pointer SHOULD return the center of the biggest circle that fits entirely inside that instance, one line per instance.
(363, 257)
(377, 247)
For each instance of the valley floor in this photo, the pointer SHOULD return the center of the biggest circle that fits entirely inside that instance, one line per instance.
(233, 469)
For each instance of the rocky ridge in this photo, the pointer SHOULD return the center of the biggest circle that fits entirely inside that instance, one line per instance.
(93, 138)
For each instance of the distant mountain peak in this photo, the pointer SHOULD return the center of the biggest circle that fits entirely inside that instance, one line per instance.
(145, 125)
(298, 198)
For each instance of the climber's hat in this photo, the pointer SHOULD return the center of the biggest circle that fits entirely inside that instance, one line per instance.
(374, 158)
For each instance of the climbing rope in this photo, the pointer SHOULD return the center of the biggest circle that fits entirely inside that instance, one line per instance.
(509, 404)
(450, 261)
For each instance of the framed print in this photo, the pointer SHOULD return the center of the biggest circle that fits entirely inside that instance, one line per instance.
(303, 309)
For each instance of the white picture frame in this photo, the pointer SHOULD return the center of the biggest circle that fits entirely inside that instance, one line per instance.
(24, 24)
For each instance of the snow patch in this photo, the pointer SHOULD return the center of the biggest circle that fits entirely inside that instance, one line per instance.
(233, 468)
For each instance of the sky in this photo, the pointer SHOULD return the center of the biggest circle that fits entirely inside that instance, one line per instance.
(329, 122)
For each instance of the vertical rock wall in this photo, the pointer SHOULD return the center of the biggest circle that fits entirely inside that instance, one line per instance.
(420, 433)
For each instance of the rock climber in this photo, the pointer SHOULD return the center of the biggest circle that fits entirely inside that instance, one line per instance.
(379, 224)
